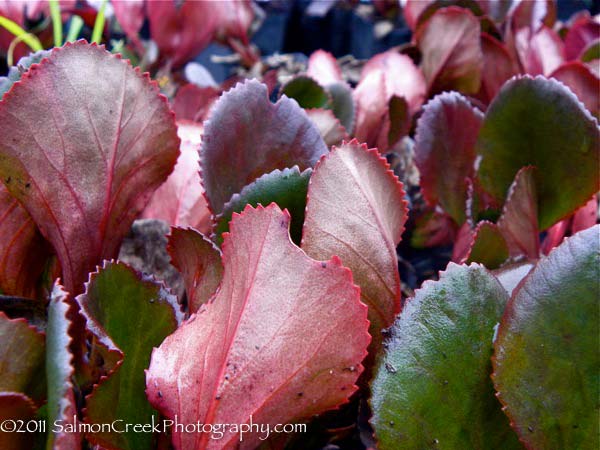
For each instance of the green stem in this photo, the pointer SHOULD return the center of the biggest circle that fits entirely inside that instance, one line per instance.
(56, 22)
(74, 28)
(32, 41)
(99, 24)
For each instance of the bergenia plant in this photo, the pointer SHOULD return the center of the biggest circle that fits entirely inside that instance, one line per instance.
(277, 305)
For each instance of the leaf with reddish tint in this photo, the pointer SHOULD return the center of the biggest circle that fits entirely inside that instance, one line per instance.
(86, 159)
(540, 53)
(134, 314)
(545, 364)
(555, 235)
(288, 188)
(488, 246)
(179, 201)
(261, 137)
(22, 358)
(16, 407)
(332, 131)
(498, 67)
(23, 251)
(471, 5)
(582, 33)
(519, 220)
(452, 56)
(307, 92)
(324, 68)
(445, 151)
(586, 216)
(249, 346)
(363, 229)
(130, 15)
(61, 407)
(530, 119)
(432, 229)
(432, 388)
(193, 103)
(412, 10)
(386, 75)
(199, 262)
(582, 81)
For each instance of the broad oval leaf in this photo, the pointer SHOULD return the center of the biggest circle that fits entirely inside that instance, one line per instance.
(23, 251)
(545, 364)
(199, 262)
(324, 68)
(498, 67)
(332, 131)
(134, 314)
(15, 406)
(432, 388)
(248, 353)
(61, 407)
(180, 201)
(356, 209)
(193, 103)
(86, 159)
(582, 81)
(445, 151)
(452, 57)
(539, 122)
(22, 350)
(261, 137)
(519, 220)
(306, 91)
(488, 246)
(288, 188)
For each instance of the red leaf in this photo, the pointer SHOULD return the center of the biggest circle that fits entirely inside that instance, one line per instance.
(412, 10)
(586, 216)
(332, 131)
(199, 261)
(540, 53)
(261, 137)
(86, 159)
(452, 56)
(130, 15)
(324, 68)
(445, 151)
(582, 81)
(16, 407)
(463, 242)
(247, 355)
(179, 201)
(363, 228)
(498, 66)
(583, 32)
(519, 220)
(23, 251)
(386, 75)
(555, 235)
(193, 102)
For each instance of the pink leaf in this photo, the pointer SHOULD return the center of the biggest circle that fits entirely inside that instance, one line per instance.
(324, 68)
(247, 354)
(498, 66)
(519, 220)
(540, 53)
(412, 10)
(193, 102)
(452, 57)
(363, 228)
(332, 131)
(586, 216)
(179, 201)
(555, 235)
(199, 261)
(261, 137)
(445, 151)
(583, 32)
(583, 82)
(130, 15)
(23, 251)
(386, 75)
(85, 161)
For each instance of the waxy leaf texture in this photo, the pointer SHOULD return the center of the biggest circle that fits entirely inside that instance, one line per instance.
(259, 137)
(363, 228)
(546, 362)
(85, 160)
(248, 353)
(432, 388)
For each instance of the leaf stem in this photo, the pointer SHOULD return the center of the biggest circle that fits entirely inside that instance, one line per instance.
(32, 41)
(99, 24)
(57, 28)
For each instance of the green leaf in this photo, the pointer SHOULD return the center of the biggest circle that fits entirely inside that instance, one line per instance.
(135, 314)
(547, 364)
(59, 367)
(21, 358)
(488, 247)
(287, 188)
(432, 388)
(342, 104)
(539, 122)
(15, 72)
(307, 92)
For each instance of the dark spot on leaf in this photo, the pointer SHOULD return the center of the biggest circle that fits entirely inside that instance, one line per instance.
(282, 223)
(323, 265)
(159, 394)
(530, 428)
(392, 423)
(8, 180)
(27, 185)
(218, 397)
(300, 394)
(445, 382)
(390, 368)
(256, 347)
